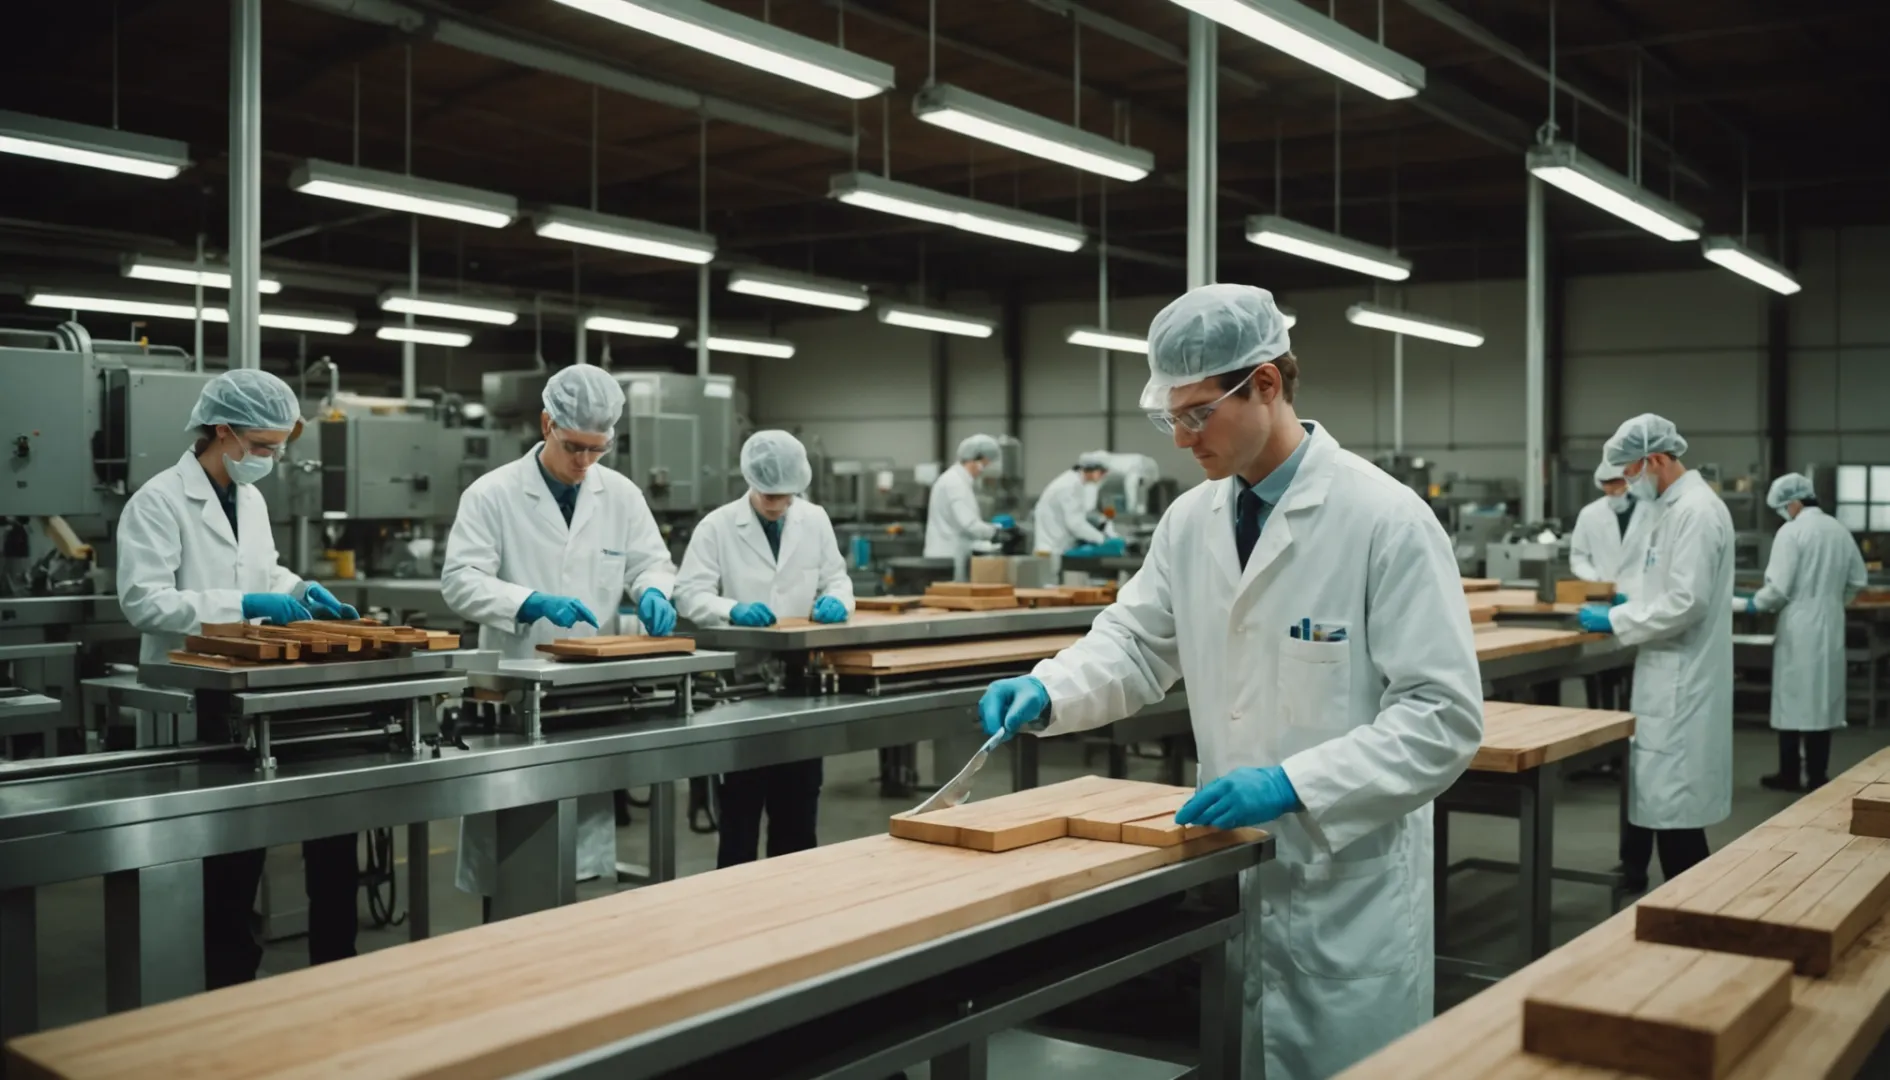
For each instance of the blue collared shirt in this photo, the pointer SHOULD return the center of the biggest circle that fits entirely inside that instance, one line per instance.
(772, 530)
(564, 494)
(226, 497)
(1272, 488)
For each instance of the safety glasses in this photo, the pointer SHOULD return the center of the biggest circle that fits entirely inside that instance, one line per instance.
(1193, 419)
(577, 449)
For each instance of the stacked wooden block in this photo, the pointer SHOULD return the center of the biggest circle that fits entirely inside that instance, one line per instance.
(1088, 808)
(617, 647)
(234, 645)
(911, 659)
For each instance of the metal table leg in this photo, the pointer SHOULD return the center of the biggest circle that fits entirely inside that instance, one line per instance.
(1536, 843)
(19, 962)
(153, 934)
(537, 858)
(1440, 874)
(969, 1062)
(1223, 1019)
(1023, 762)
(419, 859)
(663, 831)
(1118, 761)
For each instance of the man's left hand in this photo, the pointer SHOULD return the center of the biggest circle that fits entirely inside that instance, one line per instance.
(323, 604)
(656, 614)
(1252, 796)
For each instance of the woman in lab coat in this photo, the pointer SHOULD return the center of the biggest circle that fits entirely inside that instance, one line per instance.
(1337, 744)
(1061, 519)
(194, 547)
(764, 556)
(1815, 570)
(954, 527)
(545, 548)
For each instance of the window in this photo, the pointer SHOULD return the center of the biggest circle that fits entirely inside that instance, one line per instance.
(1863, 497)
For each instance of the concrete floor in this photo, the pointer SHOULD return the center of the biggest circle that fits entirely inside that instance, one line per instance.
(1482, 923)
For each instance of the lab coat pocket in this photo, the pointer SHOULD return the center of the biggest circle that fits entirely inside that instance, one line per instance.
(609, 581)
(1315, 681)
(1350, 920)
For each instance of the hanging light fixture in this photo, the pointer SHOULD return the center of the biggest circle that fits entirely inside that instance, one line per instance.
(923, 204)
(185, 272)
(305, 320)
(633, 324)
(94, 147)
(747, 345)
(1028, 133)
(1293, 238)
(1748, 263)
(1589, 180)
(410, 194)
(452, 339)
(402, 302)
(650, 238)
(1393, 320)
(1090, 337)
(1301, 32)
(943, 322)
(799, 289)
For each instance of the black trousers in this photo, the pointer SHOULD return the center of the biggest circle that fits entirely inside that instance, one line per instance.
(231, 946)
(1679, 850)
(1817, 755)
(789, 794)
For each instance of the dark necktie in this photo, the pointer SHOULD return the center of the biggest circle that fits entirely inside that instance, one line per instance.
(1247, 529)
(772, 530)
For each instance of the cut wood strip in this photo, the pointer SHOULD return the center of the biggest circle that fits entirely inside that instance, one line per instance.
(1160, 832)
(441, 639)
(246, 648)
(1106, 823)
(1870, 811)
(968, 588)
(909, 659)
(1485, 614)
(1044, 598)
(1032, 816)
(1083, 595)
(1658, 1011)
(1481, 584)
(1517, 738)
(1577, 591)
(616, 647)
(970, 603)
(1496, 642)
(887, 603)
(221, 663)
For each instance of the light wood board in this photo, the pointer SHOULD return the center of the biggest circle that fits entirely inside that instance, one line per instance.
(1870, 811)
(1495, 642)
(971, 603)
(515, 995)
(1088, 807)
(219, 663)
(243, 648)
(887, 603)
(967, 588)
(1519, 737)
(1658, 1011)
(1044, 598)
(1834, 1023)
(1480, 584)
(616, 647)
(1577, 591)
(907, 659)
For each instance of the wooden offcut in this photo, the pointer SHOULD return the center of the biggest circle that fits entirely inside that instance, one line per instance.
(243, 648)
(970, 603)
(968, 588)
(887, 603)
(1088, 807)
(511, 997)
(1496, 642)
(1658, 1011)
(616, 647)
(1517, 737)
(1044, 598)
(1870, 811)
(214, 662)
(1577, 591)
(909, 659)
(1480, 584)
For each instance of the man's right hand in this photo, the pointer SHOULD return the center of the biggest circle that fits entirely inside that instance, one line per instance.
(1009, 704)
(559, 610)
(751, 614)
(276, 608)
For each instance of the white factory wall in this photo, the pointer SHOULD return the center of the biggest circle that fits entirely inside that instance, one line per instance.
(1839, 398)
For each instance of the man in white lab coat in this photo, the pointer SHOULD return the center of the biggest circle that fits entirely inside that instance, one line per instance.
(545, 548)
(1815, 570)
(767, 555)
(1609, 542)
(1313, 605)
(954, 527)
(1061, 518)
(1680, 764)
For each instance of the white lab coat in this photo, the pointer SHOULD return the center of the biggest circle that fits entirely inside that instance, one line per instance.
(1061, 519)
(179, 566)
(510, 540)
(1597, 550)
(1681, 620)
(729, 562)
(953, 522)
(1370, 731)
(1814, 571)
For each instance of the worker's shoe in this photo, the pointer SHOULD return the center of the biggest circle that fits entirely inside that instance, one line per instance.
(1781, 782)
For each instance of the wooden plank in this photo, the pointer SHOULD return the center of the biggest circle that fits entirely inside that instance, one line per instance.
(616, 647)
(221, 663)
(1520, 737)
(1483, 614)
(1027, 817)
(1496, 642)
(887, 603)
(1577, 591)
(441, 639)
(1870, 811)
(1160, 832)
(1105, 823)
(1044, 598)
(1658, 1011)
(1081, 595)
(1481, 584)
(246, 648)
(908, 659)
(967, 588)
(970, 603)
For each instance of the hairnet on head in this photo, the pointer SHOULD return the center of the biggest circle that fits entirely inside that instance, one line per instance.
(1605, 472)
(1210, 331)
(1792, 487)
(775, 463)
(247, 398)
(1093, 459)
(1643, 435)
(978, 446)
(583, 397)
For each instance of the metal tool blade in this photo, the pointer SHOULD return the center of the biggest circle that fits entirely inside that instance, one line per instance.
(959, 788)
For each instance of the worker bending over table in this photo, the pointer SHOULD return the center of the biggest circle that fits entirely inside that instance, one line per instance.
(954, 526)
(1061, 520)
(1313, 605)
(545, 548)
(767, 555)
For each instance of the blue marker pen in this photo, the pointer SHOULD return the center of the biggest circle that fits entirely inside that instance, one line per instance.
(1293, 631)
(1305, 629)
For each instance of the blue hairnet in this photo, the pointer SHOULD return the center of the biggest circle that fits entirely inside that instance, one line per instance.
(583, 397)
(1792, 487)
(1605, 472)
(246, 398)
(1643, 435)
(775, 463)
(978, 446)
(1210, 331)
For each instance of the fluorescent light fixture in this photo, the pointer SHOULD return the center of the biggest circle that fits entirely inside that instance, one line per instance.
(1748, 263)
(1028, 133)
(452, 339)
(1585, 178)
(1291, 316)
(97, 147)
(1302, 32)
(1282, 234)
(799, 289)
(1090, 337)
(635, 325)
(923, 204)
(944, 322)
(744, 345)
(723, 33)
(658, 241)
(313, 322)
(308, 322)
(495, 313)
(185, 272)
(1379, 317)
(398, 191)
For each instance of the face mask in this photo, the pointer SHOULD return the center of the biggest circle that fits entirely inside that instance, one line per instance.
(250, 469)
(1785, 512)
(1619, 503)
(1642, 486)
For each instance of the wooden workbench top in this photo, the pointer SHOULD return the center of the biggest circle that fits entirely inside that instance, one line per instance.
(1495, 642)
(497, 999)
(1833, 1024)
(1518, 737)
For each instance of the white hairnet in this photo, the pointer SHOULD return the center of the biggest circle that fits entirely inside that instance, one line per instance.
(247, 398)
(1792, 487)
(978, 446)
(1643, 435)
(1605, 472)
(775, 463)
(583, 397)
(1093, 459)
(1209, 331)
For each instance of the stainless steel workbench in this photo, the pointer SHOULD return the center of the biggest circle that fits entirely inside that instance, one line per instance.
(912, 627)
(558, 674)
(326, 673)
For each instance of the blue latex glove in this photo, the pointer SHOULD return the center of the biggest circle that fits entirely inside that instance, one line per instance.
(1115, 545)
(1085, 551)
(1594, 618)
(830, 609)
(748, 615)
(560, 610)
(273, 607)
(1009, 704)
(1620, 598)
(659, 618)
(324, 605)
(1242, 797)
(1004, 521)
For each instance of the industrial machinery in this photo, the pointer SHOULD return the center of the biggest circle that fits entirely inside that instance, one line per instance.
(1412, 472)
